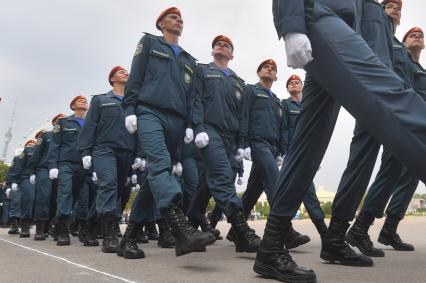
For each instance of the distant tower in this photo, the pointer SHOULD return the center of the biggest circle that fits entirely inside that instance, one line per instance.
(8, 135)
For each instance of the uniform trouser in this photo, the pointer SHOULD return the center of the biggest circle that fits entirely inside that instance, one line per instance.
(312, 204)
(53, 197)
(216, 178)
(190, 178)
(5, 212)
(159, 135)
(353, 184)
(43, 193)
(71, 180)
(27, 198)
(368, 89)
(81, 198)
(111, 167)
(15, 204)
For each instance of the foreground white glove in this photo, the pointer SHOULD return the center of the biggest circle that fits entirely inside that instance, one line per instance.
(33, 179)
(1, 204)
(247, 153)
(53, 173)
(298, 49)
(177, 169)
(134, 179)
(136, 188)
(94, 178)
(14, 186)
(279, 159)
(189, 136)
(240, 181)
(131, 123)
(137, 163)
(8, 192)
(87, 162)
(201, 140)
(239, 155)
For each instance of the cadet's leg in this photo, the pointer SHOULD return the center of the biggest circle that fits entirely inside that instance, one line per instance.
(253, 191)
(42, 202)
(15, 211)
(313, 207)
(190, 177)
(64, 202)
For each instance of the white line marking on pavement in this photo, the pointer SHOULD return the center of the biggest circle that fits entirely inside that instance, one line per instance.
(70, 262)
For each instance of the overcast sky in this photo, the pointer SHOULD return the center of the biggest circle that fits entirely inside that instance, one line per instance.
(51, 51)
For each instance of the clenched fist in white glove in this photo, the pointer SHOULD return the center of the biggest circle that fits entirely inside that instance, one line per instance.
(201, 140)
(94, 178)
(177, 169)
(53, 173)
(14, 186)
(137, 163)
(33, 179)
(134, 179)
(298, 49)
(279, 159)
(87, 162)
(240, 181)
(131, 123)
(8, 192)
(247, 153)
(239, 155)
(189, 136)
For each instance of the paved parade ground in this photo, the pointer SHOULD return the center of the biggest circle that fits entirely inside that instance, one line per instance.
(24, 260)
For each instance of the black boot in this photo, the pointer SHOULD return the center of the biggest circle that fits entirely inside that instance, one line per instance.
(127, 247)
(110, 241)
(81, 230)
(295, 239)
(40, 229)
(321, 227)
(388, 235)
(273, 260)
(358, 236)
(14, 228)
(151, 231)
(63, 234)
(117, 229)
(142, 238)
(25, 228)
(206, 227)
(165, 239)
(244, 238)
(334, 248)
(188, 239)
(73, 227)
(53, 229)
(89, 234)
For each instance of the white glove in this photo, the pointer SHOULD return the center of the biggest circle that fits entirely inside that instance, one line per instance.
(94, 178)
(131, 123)
(137, 163)
(136, 188)
(134, 179)
(1, 204)
(240, 181)
(177, 169)
(53, 173)
(8, 192)
(189, 136)
(298, 49)
(87, 162)
(247, 153)
(201, 140)
(239, 155)
(279, 159)
(14, 186)
(33, 179)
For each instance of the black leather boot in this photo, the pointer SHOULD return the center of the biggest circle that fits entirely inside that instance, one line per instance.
(188, 239)
(321, 227)
(357, 235)
(110, 241)
(40, 229)
(81, 230)
(335, 249)
(388, 235)
(127, 247)
(206, 227)
(117, 229)
(151, 231)
(295, 239)
(89, 234)
(25, 228)
(73, 227)
(63, 234)
(165, 239)
(244, 238)
(142, 238)
(14, 228)
(273, 260)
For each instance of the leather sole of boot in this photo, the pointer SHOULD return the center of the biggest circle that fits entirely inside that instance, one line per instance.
(354, 243)
(132, 256)
(198, 247)
(334, 258)
(299, 243)
(271, 272)
(24, 235)
(39, 238)
(387, 243)
(63, 243)
(240, 249)
(165, 246)
(87, 244)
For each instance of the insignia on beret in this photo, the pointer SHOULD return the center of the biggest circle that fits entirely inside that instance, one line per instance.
(138, 49)
(56, 129)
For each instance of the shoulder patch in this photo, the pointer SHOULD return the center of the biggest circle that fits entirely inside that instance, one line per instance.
(39, 141)
(22, 155)
(139, 49)
(56, 129)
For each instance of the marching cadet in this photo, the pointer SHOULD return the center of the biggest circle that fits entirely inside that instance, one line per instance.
(216, 114)
(399, 184)
(340, 49)
(26, 188)
(104, 139)
(14, 196)
(157, 100)
(65, 164)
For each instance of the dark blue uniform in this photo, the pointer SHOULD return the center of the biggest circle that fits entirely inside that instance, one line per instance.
(105, 138)
(15, 195)
(190, 163)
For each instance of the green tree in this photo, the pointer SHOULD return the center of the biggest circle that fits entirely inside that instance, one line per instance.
(3, 171)
(326, 208)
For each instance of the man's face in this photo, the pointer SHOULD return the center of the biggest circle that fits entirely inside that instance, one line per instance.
(121, 76)
(393, 10)
(294, 87)
(415, 40)
(224, 49)
(80, 104)
(172, 23)
(268, 71)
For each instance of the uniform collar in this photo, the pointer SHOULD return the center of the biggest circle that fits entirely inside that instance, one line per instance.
(212, 66)
(163, 41)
